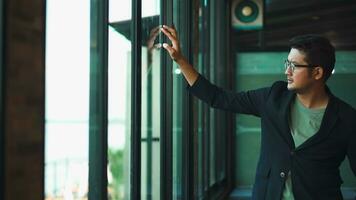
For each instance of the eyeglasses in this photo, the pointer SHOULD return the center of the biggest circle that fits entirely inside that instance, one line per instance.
(292, 66)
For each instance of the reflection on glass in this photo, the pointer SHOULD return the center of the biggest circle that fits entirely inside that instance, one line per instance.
(119, 100)
(200, 139)
(67, 99)
(151, 91)
(213, 141)
(177, 116)
(177, 133)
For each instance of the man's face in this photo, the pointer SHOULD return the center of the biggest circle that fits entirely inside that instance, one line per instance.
(300, 79)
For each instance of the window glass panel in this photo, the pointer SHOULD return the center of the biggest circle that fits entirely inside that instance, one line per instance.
(212, 134)
(212, 147)
(198, 149)
(268, 68)
(151, 97)
(218, 122)
(67, 99)
(202, 108)
(177, 132)
(198, 110)
(177, 101)
(214, 79)
(119, 100)
(199, 139)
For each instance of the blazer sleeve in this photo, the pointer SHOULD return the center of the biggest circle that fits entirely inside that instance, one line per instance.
(249, 102)
(351, 151)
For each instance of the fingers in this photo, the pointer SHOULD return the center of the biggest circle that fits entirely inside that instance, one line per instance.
(172, 38)
(172, 31)
(158, 46)
(168, 48)
(172, 52)
(155, 31)
(168, 34)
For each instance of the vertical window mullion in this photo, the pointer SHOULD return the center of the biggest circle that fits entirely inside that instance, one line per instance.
(135, 171)
(98, 113)
(207, 109)
(210, 111)
(230, 75)
(2, 75)
(166, 17)
(188, 125)
(188, 153)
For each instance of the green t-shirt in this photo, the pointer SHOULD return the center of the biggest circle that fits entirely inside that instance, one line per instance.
(304, 123)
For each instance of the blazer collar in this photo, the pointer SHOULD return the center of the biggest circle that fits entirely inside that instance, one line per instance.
(280, 111)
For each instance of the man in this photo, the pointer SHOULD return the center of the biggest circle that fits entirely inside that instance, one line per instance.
(306, 130)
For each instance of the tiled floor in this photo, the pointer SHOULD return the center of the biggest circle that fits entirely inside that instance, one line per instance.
(245, 194)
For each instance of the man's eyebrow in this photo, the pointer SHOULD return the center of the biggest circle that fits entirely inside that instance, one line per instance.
(294, 62)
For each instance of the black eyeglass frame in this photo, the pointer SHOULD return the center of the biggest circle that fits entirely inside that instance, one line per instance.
(292, 66)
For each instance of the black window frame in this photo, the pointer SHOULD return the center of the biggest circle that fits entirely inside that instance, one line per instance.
(2, 89)
(98, 100)
(166, 17)
(135, 172)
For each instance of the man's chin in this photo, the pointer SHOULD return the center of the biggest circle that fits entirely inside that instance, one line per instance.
(290, 87)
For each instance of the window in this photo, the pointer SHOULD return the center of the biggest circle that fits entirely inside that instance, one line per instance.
(67, 99)
(113, 92)
(151, 101)
(119, 101)
(211, 125)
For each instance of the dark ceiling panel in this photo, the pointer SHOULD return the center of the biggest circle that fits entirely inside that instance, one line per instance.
(285, 19)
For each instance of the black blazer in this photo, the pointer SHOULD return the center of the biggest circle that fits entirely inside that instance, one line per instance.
(314, 165)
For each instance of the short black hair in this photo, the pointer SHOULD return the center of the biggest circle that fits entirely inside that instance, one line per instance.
(318, 51)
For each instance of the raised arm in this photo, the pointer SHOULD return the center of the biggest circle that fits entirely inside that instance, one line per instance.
(250, 102)
(188, 71)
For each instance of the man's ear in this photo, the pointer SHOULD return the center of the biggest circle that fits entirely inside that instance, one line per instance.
(318, 73)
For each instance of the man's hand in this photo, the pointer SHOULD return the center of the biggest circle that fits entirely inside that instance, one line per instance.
(174, 50)
(153, 35)
(190, 74)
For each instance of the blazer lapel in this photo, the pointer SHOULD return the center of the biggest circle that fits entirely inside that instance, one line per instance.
(279, 115)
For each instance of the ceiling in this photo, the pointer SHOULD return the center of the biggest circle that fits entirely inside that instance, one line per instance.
(283, 19)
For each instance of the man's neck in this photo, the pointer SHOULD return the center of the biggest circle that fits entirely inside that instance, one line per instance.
(315, 97)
